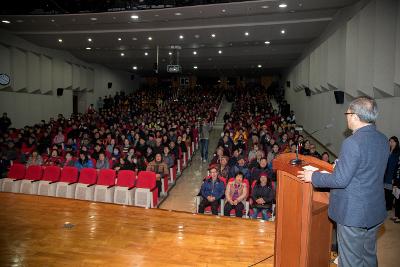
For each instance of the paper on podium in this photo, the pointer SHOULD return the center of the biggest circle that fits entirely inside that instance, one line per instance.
(310, 168)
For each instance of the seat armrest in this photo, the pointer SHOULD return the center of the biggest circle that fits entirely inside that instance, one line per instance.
(19, 179)
(72, 183)
(34, 181)
(130, 188)
(90, 185)
(111, 186)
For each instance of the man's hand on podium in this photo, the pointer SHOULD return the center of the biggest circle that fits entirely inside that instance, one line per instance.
(305, 175)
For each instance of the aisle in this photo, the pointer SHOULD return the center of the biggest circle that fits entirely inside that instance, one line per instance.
(181, 197)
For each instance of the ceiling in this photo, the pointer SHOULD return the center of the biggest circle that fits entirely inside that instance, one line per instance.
(113, 33)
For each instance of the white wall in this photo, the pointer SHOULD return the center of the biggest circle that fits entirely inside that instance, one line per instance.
(37, 72)
(361, 56)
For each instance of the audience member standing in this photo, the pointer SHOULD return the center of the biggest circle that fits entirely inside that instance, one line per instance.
(5, 122)
(204, 136)
(391, 170)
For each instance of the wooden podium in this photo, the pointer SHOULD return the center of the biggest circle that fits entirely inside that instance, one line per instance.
(303, 229)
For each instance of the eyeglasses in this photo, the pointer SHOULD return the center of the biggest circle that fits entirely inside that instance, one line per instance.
(348, 113)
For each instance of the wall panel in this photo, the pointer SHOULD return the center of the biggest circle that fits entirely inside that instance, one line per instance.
(19, 69)
(33, 83)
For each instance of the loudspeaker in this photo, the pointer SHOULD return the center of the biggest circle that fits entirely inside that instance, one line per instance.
(339, 97)
(132, 77)
(60, 91)
(287, 83)
(308, 91)
(109, 85)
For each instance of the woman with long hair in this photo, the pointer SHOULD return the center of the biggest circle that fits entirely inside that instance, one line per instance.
(391, 172)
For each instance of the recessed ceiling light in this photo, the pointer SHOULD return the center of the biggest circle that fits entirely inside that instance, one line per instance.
(53, 20)
(195, 67)
(196, 36)
(219, 51)
(134, 67)
(213, 35)
(246, 34)
(19, 20)
(259, 66)
(119, 39)
(223, 10)
(93, 19)
(265, 7)
(267, 42)
(283, 31)
(134, 38)
(194, 52)
(146, 54)
(88, 48)
(60, 40)
(178, 13)
(89, 39)
(170, 53)
(156, 15)
(283, 5)
(209, 59)
(6, 21)
(122, 54)
(180, 36)
(150, 38)
(134, 17)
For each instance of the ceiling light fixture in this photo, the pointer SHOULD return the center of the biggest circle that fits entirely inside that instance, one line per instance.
(259, 66)
(213, 35)
(195, 67)
(53, 20)
(119, 39)
(60, 40)
(134, 67)
(170, 53)
(194, 52)
(122, 54)
(134, 38)
(283, 5)
(150, 38)
(246, 33)
(180, 36)
(89, 39)
(264, 7)
(223, 10)
(283, 31)
(88, 48)
(146, 54)
(6, 21)
(178, 13)
(219, 51)
(267, 42)
(93, 19)
(136, 17)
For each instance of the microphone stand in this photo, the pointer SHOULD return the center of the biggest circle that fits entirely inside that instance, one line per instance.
(296, 161)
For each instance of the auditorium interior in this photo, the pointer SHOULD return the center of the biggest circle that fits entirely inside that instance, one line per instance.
(116, 116)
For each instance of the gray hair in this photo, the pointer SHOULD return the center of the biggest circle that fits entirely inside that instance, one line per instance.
(365, 108)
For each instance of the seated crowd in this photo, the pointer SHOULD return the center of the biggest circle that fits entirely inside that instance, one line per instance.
(241, 170)
(146, 130)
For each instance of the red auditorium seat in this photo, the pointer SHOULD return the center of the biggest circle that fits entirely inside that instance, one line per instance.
(87, 179)
(146, 193)
(29, 184)
(13, 181)
(47, 186)
(104, 188)
(67, 184)
(124, 189)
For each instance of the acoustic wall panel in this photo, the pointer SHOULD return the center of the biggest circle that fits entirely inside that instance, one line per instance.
(90, 79)
(304, 70)
(351, 75)
(33, 72)
(46, 74)
(397, 56)
(67, 75)
(323, 65)
(83, 76)
(385, 46)
(18, 69)
(5, 62)
(58, 74)
(76, 79)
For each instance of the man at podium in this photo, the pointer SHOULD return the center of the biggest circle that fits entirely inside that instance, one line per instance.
(357, 202)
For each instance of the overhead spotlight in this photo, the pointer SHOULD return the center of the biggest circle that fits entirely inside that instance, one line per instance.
(60, 40)
(88, 48)
(181, 37)
(223, 10)
(134, 67)
(170, 53)
(178, 13)
(122, 54)
(196, 36)
(267, 42)
(6, 21)
(195, 67)
(150, 38)
(283, 31)
(134, 38)
(119, 39)
(135, 17)
(146, 54)
(53, 20)
(213, 35)
(93, 19)
(259, 66)
(194, 52)
(246, 33)
(264, 7)
(89, 39)
(282, 5)
(219, 51)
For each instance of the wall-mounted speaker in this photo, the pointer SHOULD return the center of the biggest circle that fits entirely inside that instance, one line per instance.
(287, 83)
(60, 91)
(307, 91)
(339, 97)
(109, 85)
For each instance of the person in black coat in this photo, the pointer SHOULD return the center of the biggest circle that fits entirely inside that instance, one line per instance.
(263, 197)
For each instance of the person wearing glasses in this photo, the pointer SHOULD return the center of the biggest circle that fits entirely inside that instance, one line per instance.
(357, 199)
(211, 191)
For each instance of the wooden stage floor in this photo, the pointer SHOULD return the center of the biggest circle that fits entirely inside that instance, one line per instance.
(33, 234)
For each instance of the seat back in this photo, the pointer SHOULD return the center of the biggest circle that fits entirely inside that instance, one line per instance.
(126, 178)
(34, 172)
(17, 171)
(88, 176)
(146, 179)
(69, 175)
(106, 177)
(51, 173)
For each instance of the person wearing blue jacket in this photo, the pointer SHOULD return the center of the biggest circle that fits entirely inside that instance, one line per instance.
(212, 191)
(83, 161)
(357, 198)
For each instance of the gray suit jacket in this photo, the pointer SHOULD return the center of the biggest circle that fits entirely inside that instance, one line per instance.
(357, 195)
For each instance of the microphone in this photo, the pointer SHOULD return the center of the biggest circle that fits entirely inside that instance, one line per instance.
(330, 125)
(296, 161)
